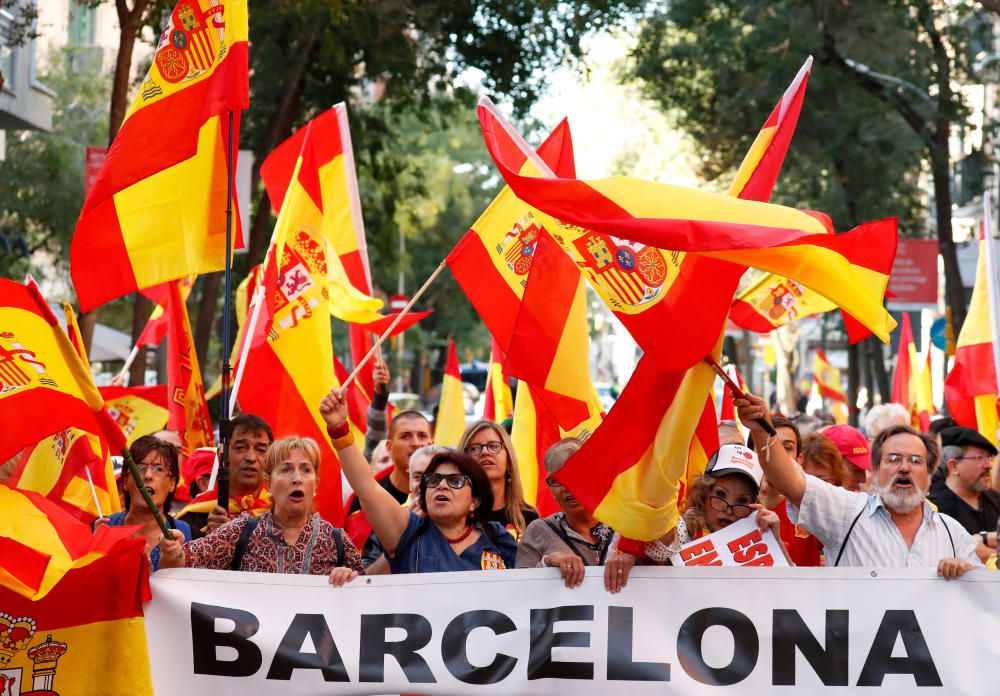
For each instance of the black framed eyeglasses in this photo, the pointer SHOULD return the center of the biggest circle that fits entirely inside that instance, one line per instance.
(721, 505)
(493, 447)
(455, 481)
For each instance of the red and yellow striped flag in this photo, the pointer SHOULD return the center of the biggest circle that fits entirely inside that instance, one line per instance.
(831, 387)
(449, 424)
(50, 640)
(44, 385)
(156, 328)
(533, 432)
(530, 296)
(970, 388)
(498, 402)
(157, 211)
(187, 409)
(289, 366)
(138, 411)
(631, 471)
(616, 229)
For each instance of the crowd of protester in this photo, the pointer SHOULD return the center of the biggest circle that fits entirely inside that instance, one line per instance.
(889, 496)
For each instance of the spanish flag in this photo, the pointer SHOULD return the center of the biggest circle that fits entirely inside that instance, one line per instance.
(830, 387)
(157, 211)
(533, 432)
(187, 408)
(774, 301)
(449, 424)
(67, 595)
(970, 388)
(156, 328)
(343, 223)
(530, 295)
(289, 365)
(137, 411)
(73, 332)
(617, 228)
(632, 470)
(498, 402)
(44, 385)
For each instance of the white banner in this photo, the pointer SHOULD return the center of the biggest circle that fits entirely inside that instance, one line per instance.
(739, 544)
(672, 630)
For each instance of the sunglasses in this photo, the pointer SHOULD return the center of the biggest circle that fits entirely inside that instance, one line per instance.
(456, 481)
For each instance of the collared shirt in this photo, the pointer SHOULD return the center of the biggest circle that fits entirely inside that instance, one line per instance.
(313, 553)
(424, 549)
(828, 512)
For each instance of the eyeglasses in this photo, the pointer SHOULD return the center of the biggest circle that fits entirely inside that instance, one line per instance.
(721, 505)
(898, 459)
(552, 483)
(455, 481)
(157, 469)
(493, 447)
(981, 458)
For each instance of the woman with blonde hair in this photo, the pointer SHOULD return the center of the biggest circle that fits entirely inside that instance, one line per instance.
(490, 445)
(290, 538)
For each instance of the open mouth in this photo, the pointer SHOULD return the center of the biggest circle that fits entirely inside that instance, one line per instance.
(903, 482)
(149, 489)
(724, 523)
(441, 498)
(297, 495)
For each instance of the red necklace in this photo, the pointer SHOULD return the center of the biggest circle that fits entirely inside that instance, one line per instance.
(461, 537)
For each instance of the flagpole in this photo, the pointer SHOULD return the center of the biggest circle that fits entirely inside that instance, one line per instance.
(222, 489)
(251, 327)
(128, 361)
(393, 325)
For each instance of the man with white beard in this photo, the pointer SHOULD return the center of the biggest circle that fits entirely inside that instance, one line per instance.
(893, 526)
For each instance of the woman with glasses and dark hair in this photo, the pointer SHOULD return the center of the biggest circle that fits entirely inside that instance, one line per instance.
(157, 462)
(455, 494)
(489, 444)
(726, 493)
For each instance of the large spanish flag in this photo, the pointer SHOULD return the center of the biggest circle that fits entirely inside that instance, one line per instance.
(970, 388)
(289, 366)
(157, 211)
(343, 224)
(449, 423)
(831, 387)
(138, 411)
(44, 385)
(617, 229)
(530, 295)
(658, 435)
(534, 430)
(51, 641)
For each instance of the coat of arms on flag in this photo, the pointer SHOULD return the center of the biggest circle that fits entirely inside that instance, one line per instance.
(629, 274)
(190, 42)
(518, 246)
(303, 261)
(18, 366)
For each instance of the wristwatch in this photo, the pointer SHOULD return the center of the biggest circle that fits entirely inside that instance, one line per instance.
(985, 537)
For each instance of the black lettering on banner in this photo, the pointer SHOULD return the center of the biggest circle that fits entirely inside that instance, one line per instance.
(456, 636)
(745, 641)
(918, 660)
(374, 647)
(544, 638)
(830, 663)
(620, 664)
(290, 657)
(205, 639)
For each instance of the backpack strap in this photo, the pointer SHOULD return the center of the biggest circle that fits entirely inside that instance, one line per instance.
(338, 539)
(954, 551)
(557, 528)
(850, 529)
(243, 542)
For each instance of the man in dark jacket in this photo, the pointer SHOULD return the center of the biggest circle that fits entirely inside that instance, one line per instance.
(961, 486)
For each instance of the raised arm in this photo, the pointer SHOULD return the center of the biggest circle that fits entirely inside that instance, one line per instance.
(779, 468)
(387, 517)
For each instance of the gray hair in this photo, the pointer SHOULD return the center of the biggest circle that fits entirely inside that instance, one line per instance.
(558, 454)
(881, 416)
(429, 451)
(949, 452)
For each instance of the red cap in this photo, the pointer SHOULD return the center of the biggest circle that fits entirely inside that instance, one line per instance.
(200, 463)
(853, 446)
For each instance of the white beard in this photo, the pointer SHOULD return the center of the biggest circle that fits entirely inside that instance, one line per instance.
(899, 501)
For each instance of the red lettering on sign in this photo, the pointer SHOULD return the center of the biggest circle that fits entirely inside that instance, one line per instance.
(703, 554)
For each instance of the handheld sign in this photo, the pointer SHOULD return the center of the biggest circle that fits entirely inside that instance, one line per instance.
(739, 544)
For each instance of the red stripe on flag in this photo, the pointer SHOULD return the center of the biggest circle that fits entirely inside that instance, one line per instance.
(493, 299)
(747, 317)
(25, 564)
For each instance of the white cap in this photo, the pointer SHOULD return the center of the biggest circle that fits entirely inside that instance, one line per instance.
(736, 459)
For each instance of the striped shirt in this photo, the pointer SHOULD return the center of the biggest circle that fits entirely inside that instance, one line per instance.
(828, 512)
